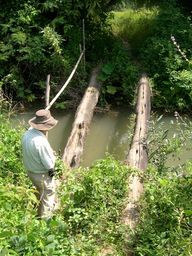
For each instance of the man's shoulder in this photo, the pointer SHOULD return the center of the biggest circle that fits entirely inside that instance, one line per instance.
(33, 134)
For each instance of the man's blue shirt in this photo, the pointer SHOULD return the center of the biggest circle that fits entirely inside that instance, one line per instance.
(38, 155)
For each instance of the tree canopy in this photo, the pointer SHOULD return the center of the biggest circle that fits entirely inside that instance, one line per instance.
(38, 37)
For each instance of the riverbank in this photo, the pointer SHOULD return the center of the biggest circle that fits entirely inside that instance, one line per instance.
(89, 220)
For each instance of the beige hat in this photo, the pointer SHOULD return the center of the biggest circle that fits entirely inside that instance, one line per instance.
(43, 120)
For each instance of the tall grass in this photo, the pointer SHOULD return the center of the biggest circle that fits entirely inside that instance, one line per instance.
(133, 26)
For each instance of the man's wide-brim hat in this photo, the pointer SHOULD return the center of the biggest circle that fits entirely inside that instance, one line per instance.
(43, 120)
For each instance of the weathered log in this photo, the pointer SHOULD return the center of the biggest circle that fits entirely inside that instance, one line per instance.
(75, 144)
(137, 156)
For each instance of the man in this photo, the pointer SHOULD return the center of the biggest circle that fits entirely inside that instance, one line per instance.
(39, 160)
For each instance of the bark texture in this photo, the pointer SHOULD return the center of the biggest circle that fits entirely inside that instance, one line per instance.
(137, 156)
(75, 144)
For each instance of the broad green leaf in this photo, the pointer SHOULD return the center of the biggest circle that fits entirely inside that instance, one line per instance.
(102, 77)
(111, 90)
(188, 212)
(108, 69)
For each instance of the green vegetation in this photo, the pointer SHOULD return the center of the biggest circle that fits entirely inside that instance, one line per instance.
(118, 75)
(171, 74)
(148, 31)
(38, 38)
(166, 216)
(92, 199)
(89, 218)
(134, 26)
(87, 222)
(41, 37)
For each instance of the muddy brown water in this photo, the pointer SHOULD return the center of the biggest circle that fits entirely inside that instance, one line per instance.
(110, 132)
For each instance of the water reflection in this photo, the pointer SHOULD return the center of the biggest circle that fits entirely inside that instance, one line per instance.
(109, 132)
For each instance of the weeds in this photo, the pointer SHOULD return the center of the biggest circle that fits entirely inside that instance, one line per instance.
(134, 26)
(92, 199)
(166, 217)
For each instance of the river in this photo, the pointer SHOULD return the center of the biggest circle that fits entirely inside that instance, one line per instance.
(110, 132)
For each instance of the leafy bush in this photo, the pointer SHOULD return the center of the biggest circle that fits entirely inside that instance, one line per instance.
(119, 75)
(38, 38)
(89, 219)
(10, 150)
(166, 217)
(170, 72)
(148, 31)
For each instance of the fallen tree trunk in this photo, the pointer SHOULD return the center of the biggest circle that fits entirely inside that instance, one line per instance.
(74, 148)
(137, 156)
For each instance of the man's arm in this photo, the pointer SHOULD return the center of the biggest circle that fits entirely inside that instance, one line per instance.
(46, 156)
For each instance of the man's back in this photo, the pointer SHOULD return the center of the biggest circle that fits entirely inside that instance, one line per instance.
(38, 156)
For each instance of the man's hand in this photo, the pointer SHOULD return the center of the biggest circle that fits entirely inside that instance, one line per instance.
(51, 172)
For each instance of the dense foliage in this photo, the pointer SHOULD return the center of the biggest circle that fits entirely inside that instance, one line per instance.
(89, 219)
(87, 222)
(42, 37)
(148, 30)
(171, 73)
(166, 218)
(38, 38)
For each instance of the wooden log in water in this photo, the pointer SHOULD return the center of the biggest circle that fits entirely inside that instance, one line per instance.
(137, 156)
(75, 144)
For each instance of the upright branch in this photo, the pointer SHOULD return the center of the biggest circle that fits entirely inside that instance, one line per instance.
(47, 92)
(47, 95)
(84, 44)
(137, 156)
(75, 144)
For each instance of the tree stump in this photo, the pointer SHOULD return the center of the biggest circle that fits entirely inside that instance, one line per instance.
(75, 144)
(137, 156)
